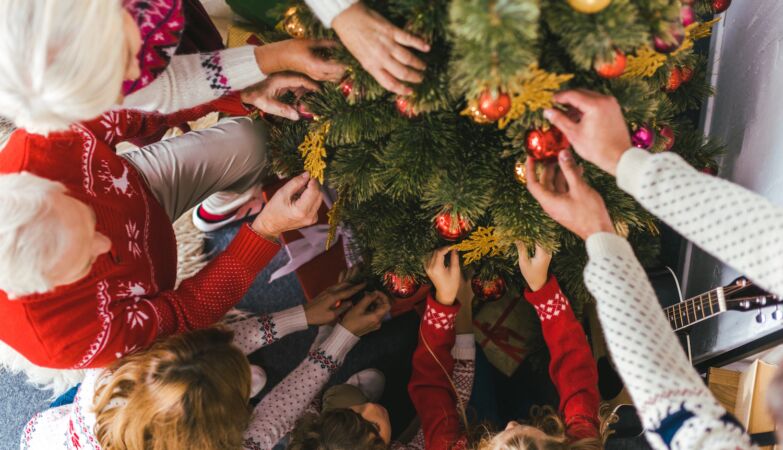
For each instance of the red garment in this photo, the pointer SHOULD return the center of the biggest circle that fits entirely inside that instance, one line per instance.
(128, 299)
(572, 369)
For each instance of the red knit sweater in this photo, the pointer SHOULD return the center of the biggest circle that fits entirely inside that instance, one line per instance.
(128, 299)
(572, 369)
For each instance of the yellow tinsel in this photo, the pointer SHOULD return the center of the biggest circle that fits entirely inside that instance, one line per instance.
(532, 91)
(313, 151)
(482, 242)
(701, 30)
(644, 64)
(334, 215)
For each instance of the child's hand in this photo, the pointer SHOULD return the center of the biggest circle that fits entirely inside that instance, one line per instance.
(535, 269)
(446, 279)
(367, 315)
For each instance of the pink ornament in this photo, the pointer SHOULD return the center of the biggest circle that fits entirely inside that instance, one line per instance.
(670, 43)
(687, 16)
(667, 134)
(643, 137)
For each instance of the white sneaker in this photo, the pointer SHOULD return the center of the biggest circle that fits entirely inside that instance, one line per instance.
(257, 380)
(371, 382)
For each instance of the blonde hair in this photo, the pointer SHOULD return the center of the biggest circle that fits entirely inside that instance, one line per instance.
(61, 61)
(547, 420)
(31, 242)
(187, 391)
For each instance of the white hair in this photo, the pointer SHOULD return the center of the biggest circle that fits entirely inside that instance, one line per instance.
(61, 61)
(31, 237)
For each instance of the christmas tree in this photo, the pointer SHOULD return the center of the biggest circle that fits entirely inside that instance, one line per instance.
(445, 165)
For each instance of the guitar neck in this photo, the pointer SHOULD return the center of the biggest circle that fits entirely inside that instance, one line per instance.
(696, 309)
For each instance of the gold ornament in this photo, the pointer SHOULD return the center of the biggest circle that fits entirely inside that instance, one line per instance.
(644, 63)
(475, 115)
(520, 172)
(292, 25)
(313, 151)
(482, 242)
(334, 215)
(589, 6)
(701, 30)
(533, 90)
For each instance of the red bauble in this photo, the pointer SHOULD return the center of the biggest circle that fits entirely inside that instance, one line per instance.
(720, 6)
(488, 290)
(612, 69)
(402, 287)
(494, 107)
(670, 43)
(346, 87)
(709, 171)
(405, 108)
(667, 134)
(546, 144)
(686, 73)
(448, 229)
(675, 80)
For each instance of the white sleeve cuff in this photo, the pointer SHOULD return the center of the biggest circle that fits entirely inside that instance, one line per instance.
(241, 67)
(607, 244)
(327, 10)
(465, 347)
(630, 169)
(290, 320)
(339, 343)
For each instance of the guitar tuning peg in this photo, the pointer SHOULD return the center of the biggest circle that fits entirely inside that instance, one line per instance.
(760, 317)
(777, 314)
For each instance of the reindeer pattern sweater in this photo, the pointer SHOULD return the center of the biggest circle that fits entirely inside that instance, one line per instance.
(72, 426)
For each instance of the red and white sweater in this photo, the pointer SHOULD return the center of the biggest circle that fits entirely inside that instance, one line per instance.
(572, 369)
(72, 426)
(128, 299)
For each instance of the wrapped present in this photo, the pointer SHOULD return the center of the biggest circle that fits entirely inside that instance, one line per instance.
(508, 330)
(259, 12)
(242, 34)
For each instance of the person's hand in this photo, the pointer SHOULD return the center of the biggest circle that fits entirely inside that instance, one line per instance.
(265, 95)
(535, 270)
(295, 205)
(446, 279)
(600, 135)
(567, 198)
(380, 47)
(299, 55)
(330, 304)
(366, 316)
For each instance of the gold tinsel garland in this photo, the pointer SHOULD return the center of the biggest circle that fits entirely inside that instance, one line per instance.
(532, 91)
(334, 216)
(482, 242)
(313, 151)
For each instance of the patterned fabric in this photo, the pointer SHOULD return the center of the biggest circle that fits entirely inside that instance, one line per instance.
(326, 361)
(161, 24)
(677, 410)
(213, 70)
(552, 308)
(438, 319)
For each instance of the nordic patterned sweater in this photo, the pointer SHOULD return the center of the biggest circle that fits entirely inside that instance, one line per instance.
(71, 426)
(128, 299)
(190, 80)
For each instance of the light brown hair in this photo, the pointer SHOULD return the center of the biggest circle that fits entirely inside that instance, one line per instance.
(187, 391)
(338, 429)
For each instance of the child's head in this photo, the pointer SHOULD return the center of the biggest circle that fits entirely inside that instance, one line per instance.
(188, 391)
(547, 432)
(343, 429)
(64, 61)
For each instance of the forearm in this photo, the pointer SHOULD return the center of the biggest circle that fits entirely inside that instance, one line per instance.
(464, 354)
(192, 80)
(666, 390)
(735, 225)
(327, 10)
(256, 331)
(277, 413)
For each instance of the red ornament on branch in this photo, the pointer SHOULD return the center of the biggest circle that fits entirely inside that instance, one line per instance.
(488, 290)
(675, 80)
(400, 286)
(405, 108)
(546, 144)
(686, 74)
(612, 69)
(346, 87)
(643, 137)
(494, 107)
(720, 6)
(450, 229)
(670, 43)
(667, 134)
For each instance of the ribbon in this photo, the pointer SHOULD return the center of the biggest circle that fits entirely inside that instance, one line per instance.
(302, 251)
(502, 337)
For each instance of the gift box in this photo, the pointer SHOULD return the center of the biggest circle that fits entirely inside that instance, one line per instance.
(508, 330)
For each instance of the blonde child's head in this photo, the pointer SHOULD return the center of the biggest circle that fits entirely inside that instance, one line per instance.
(187, 391)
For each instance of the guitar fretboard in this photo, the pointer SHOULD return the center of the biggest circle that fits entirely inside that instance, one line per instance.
(696, 309)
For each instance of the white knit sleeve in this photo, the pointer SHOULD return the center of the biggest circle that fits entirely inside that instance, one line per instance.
(192, 80)
(277, 413)
(254, 331)
(735, 225)
(677, 409)
(327, 10)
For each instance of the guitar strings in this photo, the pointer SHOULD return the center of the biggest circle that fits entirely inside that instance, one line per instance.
(691, 307)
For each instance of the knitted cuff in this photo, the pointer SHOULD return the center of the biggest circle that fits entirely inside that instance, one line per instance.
(241, 67)
(600, 245)
(546, 293)
(252, 250)
(290, 320)
(339, 343)
(630, 169)
(327, 10)
(440, 317)
(464, 348)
